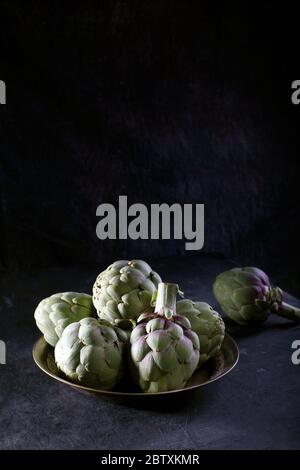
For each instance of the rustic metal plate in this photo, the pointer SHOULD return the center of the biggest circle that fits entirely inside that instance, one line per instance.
(212, 370)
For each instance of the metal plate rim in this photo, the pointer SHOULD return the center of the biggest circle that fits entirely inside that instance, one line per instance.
(41, 344)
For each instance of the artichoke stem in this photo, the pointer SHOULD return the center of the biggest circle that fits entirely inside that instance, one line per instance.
(166, 299)
(288, 311)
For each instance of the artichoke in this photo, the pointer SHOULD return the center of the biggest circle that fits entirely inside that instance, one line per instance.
(164, 349)
(246, 296)
(208, 325)
(124, 290)
(54, 313)
(91, 352)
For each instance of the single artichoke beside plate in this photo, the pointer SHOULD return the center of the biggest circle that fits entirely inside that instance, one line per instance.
(164, 349)
(124, 290)
(246, 296)
(208, 325)
(91, 352)
(56, 312)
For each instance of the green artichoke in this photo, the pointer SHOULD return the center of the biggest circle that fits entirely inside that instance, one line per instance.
(208, 325)
(54, 313)
(164, 349)
(246, 296)
(91, 352)
(124, 290)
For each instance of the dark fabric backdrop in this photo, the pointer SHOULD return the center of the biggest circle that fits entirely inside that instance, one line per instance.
(165, 101)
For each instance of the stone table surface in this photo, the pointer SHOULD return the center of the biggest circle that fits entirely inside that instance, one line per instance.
(256, 406)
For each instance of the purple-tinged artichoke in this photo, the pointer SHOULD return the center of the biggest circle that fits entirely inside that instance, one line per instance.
(164, 349)
(246, 296)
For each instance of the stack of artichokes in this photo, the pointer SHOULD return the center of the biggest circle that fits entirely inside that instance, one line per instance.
(133, 319)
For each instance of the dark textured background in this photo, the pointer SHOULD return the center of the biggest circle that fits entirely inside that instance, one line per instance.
(165, 101)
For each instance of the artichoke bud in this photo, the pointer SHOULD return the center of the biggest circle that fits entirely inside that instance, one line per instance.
(246, 296)
(207, 327)
(124, 290)
(56, 312)
(164, 352)
(91, 352)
